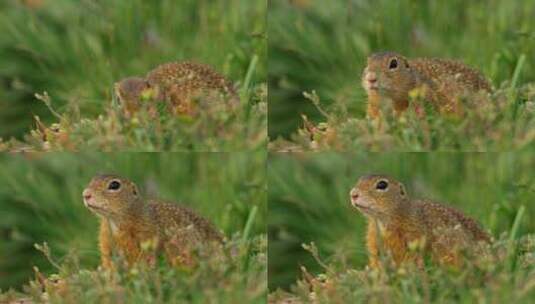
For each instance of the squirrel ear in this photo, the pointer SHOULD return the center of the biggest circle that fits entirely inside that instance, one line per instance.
(402, 190)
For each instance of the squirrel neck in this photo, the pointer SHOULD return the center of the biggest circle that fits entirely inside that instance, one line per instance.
(419, 80)
(416, 80)
(133, 213)
(401, 213)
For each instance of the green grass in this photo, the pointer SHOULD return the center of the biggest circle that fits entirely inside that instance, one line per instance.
(309, 203)
(212, 130)
(217, 279)
(76, 51)
(498, 125)
(477, 282)
(40, 201)
(322, 47)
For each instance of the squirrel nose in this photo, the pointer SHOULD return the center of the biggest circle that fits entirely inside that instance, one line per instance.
(86, 194)
(371, 77)
(354, 194)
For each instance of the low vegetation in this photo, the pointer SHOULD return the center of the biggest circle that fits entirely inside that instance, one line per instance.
(497, 123)
(240, 274)
(244, 129)
(512, 279)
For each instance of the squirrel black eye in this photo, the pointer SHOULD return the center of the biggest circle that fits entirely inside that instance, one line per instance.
(114, 185)
(381, 185)
(393, 64)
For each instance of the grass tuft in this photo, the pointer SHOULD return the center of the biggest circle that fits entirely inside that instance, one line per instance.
(478, 281)
(217, 279)
(503, 121)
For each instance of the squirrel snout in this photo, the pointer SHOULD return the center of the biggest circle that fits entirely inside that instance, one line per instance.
(354, 194)
(371, 77)
(86, 194)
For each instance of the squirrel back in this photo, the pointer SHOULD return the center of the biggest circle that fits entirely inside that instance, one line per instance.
(178, 85)
(170, 218)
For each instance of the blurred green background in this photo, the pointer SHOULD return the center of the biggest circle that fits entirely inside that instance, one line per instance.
(309, 199)
(40, 199)
(76, 50)
(322, 46)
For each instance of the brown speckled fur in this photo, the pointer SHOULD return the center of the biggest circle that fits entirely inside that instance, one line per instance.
(443, 82)
(178, 84)
(128, 222)
(395, 221)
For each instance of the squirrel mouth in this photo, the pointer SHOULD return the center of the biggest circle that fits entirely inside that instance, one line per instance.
(94, 207)
(91, 206)
(98, 210)
(364, 209)
(355, 204)
(373, 87)
(360, 207)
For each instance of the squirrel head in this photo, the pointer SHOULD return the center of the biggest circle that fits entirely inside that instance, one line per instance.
(130, 91)
(110, 196)
(388, 74)
(378, 196)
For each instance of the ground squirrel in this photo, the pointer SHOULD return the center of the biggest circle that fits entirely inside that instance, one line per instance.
(442, 82)
(128, 222)
(397, 223)
(178, 85)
